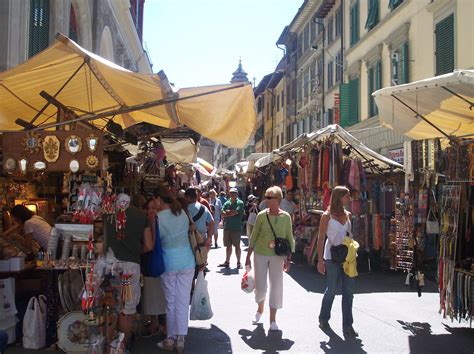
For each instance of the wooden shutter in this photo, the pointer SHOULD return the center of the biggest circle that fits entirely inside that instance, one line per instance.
(349, 103)
(405, 61)
(39, 26)
(445, 45)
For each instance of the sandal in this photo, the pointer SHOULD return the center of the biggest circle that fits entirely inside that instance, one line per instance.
(224, 265)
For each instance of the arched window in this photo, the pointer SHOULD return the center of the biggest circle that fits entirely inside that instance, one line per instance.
(73, 30)
(39, 26)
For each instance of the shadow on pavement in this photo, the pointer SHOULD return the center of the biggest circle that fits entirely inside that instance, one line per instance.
(458, 340)
(228, 271)
(259, 340)
(374, 282)
(336, 344)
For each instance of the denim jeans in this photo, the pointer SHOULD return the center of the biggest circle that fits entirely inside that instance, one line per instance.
(334, 273)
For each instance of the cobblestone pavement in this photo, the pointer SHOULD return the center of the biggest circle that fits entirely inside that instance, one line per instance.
(390, 317)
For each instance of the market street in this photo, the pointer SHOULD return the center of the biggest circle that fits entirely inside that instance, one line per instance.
(389, 317)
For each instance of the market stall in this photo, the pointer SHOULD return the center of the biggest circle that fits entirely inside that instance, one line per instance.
(314, 163)
(70, 121)
(439, 182)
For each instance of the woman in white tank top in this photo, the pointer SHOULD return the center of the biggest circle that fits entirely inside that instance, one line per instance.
(335, 225)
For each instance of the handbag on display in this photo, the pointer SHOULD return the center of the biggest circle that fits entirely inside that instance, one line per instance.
(432, 223)
(153, 263)
(282, 246)
(197, 240)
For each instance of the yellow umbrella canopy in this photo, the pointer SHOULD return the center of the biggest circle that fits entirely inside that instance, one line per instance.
(434, 107)
(90, 85)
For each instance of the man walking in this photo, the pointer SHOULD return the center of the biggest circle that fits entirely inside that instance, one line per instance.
(232, 211)
(214, 201)
(287, 204)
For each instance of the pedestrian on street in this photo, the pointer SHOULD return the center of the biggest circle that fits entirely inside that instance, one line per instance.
(251, 209)
(214, 201)
(266, 261)
(179, 263)
(287, 204)
(127, 249)
(232, 211)
(335, 224)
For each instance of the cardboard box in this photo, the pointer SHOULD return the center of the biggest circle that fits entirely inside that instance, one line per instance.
(17, 264)
(5, 265)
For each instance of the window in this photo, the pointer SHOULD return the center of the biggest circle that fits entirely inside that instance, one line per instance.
(330, 74)
(306, 84)
(355, 23)
(278, 142)
(339, 66)
(288, 91)
(320, 72)
(330, 116)
(259, 104)
(314, 29)
(329, 30)
(306, 38)
(444, 33)
(298, 90)
(400, 61)
(73, 31)
(372, 14)
(281, 139)
(374, 83)
(282, 98)
(293, 92)
(300, 45)
(393, 4)
(39, 26)
(278, 103)
(268, 110)
(338, 29)
(349, 103)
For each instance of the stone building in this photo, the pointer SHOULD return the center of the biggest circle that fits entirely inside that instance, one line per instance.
(111, 29)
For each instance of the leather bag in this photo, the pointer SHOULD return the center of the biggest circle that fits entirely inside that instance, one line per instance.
(339, 253)
(197, 240)
(282, 246)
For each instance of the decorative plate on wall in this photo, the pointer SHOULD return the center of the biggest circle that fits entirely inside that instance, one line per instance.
(73, 144)
(92, 142)
(51, 147)
(9, 164)
(92, 161)
(32, 142)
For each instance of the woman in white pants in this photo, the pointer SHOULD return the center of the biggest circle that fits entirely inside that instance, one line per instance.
(179, 268)
(262, 242)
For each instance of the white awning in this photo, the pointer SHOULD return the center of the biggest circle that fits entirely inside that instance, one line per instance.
(445, 101)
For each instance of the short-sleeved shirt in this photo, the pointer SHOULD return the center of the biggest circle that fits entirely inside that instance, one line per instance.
(129, 248)
(288, 206)
(39, 228)
(204, 220)
(262, 233)
(234, 223)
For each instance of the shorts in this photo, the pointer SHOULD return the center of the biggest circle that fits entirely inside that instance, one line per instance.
(232, 238)
(130, 307)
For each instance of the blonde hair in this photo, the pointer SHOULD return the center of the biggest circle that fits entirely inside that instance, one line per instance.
(337, 194)
(275, 191)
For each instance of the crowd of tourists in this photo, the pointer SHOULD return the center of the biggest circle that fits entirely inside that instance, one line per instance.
(166, 218)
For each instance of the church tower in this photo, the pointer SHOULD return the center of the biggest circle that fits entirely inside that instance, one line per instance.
(239, 75)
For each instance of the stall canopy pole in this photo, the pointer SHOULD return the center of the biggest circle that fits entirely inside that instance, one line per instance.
(91, 116)
(471, 104)
(58, 92)
(424, 118)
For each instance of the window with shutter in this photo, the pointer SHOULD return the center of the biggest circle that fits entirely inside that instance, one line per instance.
(444, 33)
(39, 26)
(338, 29)
(374, 84)
(349, 103)
(355, 23)
(405, 61)
(393, 4)
(372, 15)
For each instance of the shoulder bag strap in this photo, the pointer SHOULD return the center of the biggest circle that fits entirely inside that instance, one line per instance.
(271, 227)
(199, 213)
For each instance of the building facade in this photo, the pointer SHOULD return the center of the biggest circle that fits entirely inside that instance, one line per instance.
(338, 52)
(111, 29)
(392, 42)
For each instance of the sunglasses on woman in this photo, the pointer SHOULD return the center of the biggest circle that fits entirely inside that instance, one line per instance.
(270, 197)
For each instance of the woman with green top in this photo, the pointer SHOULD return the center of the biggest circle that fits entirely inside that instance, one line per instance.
(262, 241)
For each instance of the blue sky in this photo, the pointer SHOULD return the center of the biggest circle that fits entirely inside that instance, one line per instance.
(199, 42)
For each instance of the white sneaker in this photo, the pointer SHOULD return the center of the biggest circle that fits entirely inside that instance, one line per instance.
(273, 326)
(256, 318)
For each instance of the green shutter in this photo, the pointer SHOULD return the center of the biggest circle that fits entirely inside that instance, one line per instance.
(405, 61)
(39, 26)
(349, 103)
(445, 45)
(355, 23)
(378, 84)
(392, 4)
(373, 14)
(354, 101)
(344, 104)
(370, 80)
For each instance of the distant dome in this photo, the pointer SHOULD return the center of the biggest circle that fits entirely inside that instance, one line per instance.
(239, 75)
